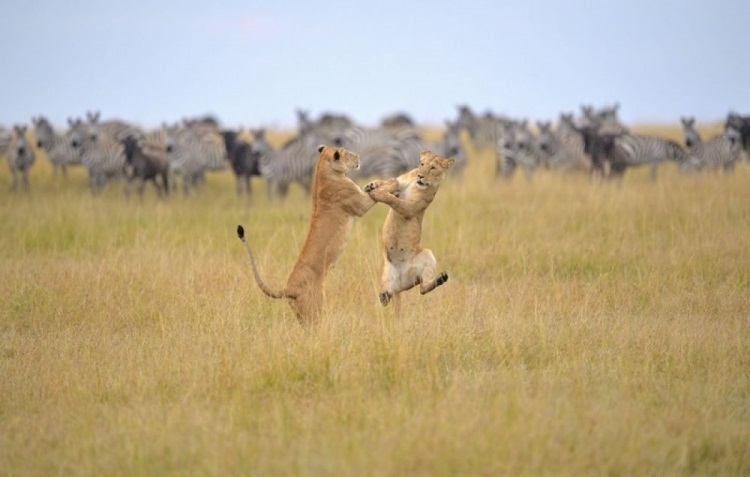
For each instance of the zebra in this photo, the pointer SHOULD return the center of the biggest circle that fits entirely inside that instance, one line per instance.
(559, 149)
(450, 145)
(397, 121)
(633, 150)
(484, 131)
(242, 158)
(383, 153)
(58, 149)
(101, 154)
(113, 128)
(145, 161)
(293, 163)
(5, 137)
(721, 151)
(21, 156)
(605, 119)
(517, 147)
(742, 125)
(193, 151)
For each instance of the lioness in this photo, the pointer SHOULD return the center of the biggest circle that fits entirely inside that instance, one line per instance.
(406, 263)
(336, 201)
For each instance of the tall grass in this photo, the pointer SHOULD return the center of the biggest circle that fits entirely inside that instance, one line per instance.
(588, 328)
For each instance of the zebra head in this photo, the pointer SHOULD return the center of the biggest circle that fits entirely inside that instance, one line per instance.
(76, 133)
(43, 132)
(170, 132)
(733, 134)
(692, 138)
(545, 139)
(22, 148)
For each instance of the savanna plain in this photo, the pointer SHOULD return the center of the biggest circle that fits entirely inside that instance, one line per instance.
(588, 328)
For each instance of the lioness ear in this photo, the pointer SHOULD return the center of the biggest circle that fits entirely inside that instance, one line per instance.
(336, 155)
(449, 162)
(320, 148)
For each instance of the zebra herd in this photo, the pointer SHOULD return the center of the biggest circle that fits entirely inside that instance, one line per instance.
(595, 142)
(187, 151)
(599, 143)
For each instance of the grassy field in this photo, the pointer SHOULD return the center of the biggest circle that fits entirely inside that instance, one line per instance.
(588, 328)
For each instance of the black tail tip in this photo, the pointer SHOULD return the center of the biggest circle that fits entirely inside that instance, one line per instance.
(241, 232)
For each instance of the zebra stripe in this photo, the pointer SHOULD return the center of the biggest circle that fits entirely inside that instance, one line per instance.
(102, 155)
(517, 147)
(383, 153)
(295, 162)
(57, 147)
(632, 150)
(560, 150)
(21, 156)
(742, 125)
(192, 152)
(450, 145)
(5, 137)
(721, 151)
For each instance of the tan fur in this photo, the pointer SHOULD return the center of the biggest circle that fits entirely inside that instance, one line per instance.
(406, 263)
(337, 200)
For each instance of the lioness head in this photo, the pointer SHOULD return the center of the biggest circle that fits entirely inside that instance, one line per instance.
(432, 168)
(341, 160)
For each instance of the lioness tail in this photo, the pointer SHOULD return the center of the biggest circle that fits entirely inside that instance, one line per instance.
(264, 288)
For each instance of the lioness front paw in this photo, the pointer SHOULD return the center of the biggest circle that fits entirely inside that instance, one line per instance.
(390, 186)
(372, 186)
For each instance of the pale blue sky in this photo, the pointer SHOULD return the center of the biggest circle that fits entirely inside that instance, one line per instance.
(253, 63)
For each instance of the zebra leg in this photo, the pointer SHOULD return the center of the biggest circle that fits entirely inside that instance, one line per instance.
(142, 186)
(129, 185)
(282, 189)
(25, 176)
(14, 184)
(653, 171)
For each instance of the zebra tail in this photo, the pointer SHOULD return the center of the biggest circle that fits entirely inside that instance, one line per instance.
(261, 284)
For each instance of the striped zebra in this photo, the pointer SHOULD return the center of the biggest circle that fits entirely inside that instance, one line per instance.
(561, 150)
(720, 152)
(484, 131)
(383, 153)
(293, 163)
(243, 160)
(112, 128)
(21, 156)
(101, 154)
(741, 124)
(450, 145)
(517, 147)
(192, 152)
(632, 150)
(605, 119)
(56, 146)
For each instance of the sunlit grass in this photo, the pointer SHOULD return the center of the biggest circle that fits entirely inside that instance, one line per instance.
(588, 328)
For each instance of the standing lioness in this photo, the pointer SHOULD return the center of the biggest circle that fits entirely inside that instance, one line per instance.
(406, 263)
(336, 201)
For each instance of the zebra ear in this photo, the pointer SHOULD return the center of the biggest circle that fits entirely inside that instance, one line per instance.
(320, 148)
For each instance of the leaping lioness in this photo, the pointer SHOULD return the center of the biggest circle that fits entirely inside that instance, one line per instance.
(406, 263)
(336, 201)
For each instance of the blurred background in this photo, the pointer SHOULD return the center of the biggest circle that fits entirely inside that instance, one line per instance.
(254, 63)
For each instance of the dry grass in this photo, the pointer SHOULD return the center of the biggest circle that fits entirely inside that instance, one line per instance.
(587, 329)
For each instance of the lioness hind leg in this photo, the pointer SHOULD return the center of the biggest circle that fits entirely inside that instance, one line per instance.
(428, 287)
(426, 263)
(308, 307)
